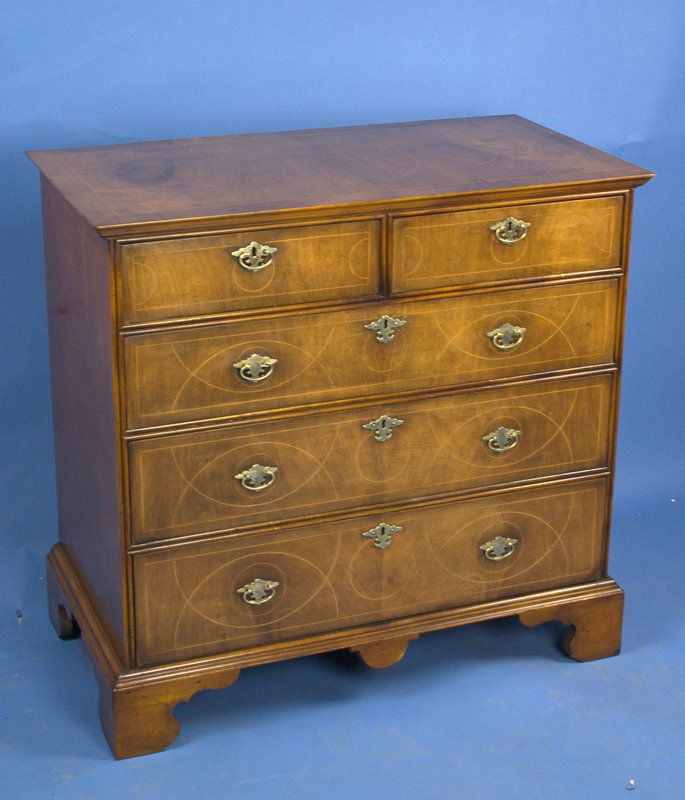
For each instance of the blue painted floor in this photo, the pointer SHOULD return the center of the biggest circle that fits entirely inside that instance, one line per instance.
(487, 712)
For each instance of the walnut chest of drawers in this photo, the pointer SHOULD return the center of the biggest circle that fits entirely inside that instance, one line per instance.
(329, 389)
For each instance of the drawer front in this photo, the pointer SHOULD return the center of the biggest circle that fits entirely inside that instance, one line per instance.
(193, 600)
(200, 275)
(456, 249)
(207, 481)
(190, 374)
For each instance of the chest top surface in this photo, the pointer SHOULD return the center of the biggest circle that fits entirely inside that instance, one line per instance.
(136, 185)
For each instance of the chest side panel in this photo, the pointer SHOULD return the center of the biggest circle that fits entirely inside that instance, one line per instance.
(85, 413)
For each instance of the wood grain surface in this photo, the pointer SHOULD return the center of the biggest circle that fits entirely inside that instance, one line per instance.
(188, 374)
(85, 415)
(198, 275)
(186, 484)
(459, 248)
(595, 627)
(136, 704)
(331, 576)
(115, 187)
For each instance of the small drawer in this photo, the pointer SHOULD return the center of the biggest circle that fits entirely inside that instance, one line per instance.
(468, 247)
(221, 480)
(207, 598)
(244, 367)
(211, 274)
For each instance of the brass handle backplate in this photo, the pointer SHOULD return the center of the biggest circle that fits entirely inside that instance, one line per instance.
(255, 368)
(258, 591)
(382, 427)
(510, 230)
(499, 548)
(382, 534)
(256, 478)
(384, 327)
(506, 336)
(255, 256)
(502, 439)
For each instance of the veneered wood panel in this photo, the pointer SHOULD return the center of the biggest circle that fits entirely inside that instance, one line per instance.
(185, 179)
(457, 249)
(188, 374)
(331, 577)
(186, 484)
(82, 357)
(198, 275)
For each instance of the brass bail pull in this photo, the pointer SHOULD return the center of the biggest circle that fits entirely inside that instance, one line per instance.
(502, 439)
(255, 368)
(258, 591)
(506, 336)
(499, 548)
(257, 477)
(510, 230)
(254, 256)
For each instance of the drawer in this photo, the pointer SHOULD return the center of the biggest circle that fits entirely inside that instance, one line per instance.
(193, 600)
(460, 248)
(263, 473)
(189, 374)
(212, 274)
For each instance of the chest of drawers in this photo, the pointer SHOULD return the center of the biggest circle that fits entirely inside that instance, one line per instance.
(329, 389)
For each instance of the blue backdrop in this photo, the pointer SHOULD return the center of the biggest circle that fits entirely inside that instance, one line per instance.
(88, 73)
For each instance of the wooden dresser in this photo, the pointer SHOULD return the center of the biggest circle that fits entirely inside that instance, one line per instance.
(329, 389)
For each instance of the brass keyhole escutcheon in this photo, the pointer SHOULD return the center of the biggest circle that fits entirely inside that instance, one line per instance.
(383, 427)
(384, 327)
(382, 534)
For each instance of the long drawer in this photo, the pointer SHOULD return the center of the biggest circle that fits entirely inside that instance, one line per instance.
(237, 368)
(225, 479)
(211, 597)
(494, 245)
(199, 275)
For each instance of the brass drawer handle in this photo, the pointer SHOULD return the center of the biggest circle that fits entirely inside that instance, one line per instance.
(384, 327)
(257, 478)
(510, 230)
(255, 256)
(382, 427)
(258, 591)
(506, 336)
(499, 548)
(382, 534)
(502, 439)
(255, 368)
